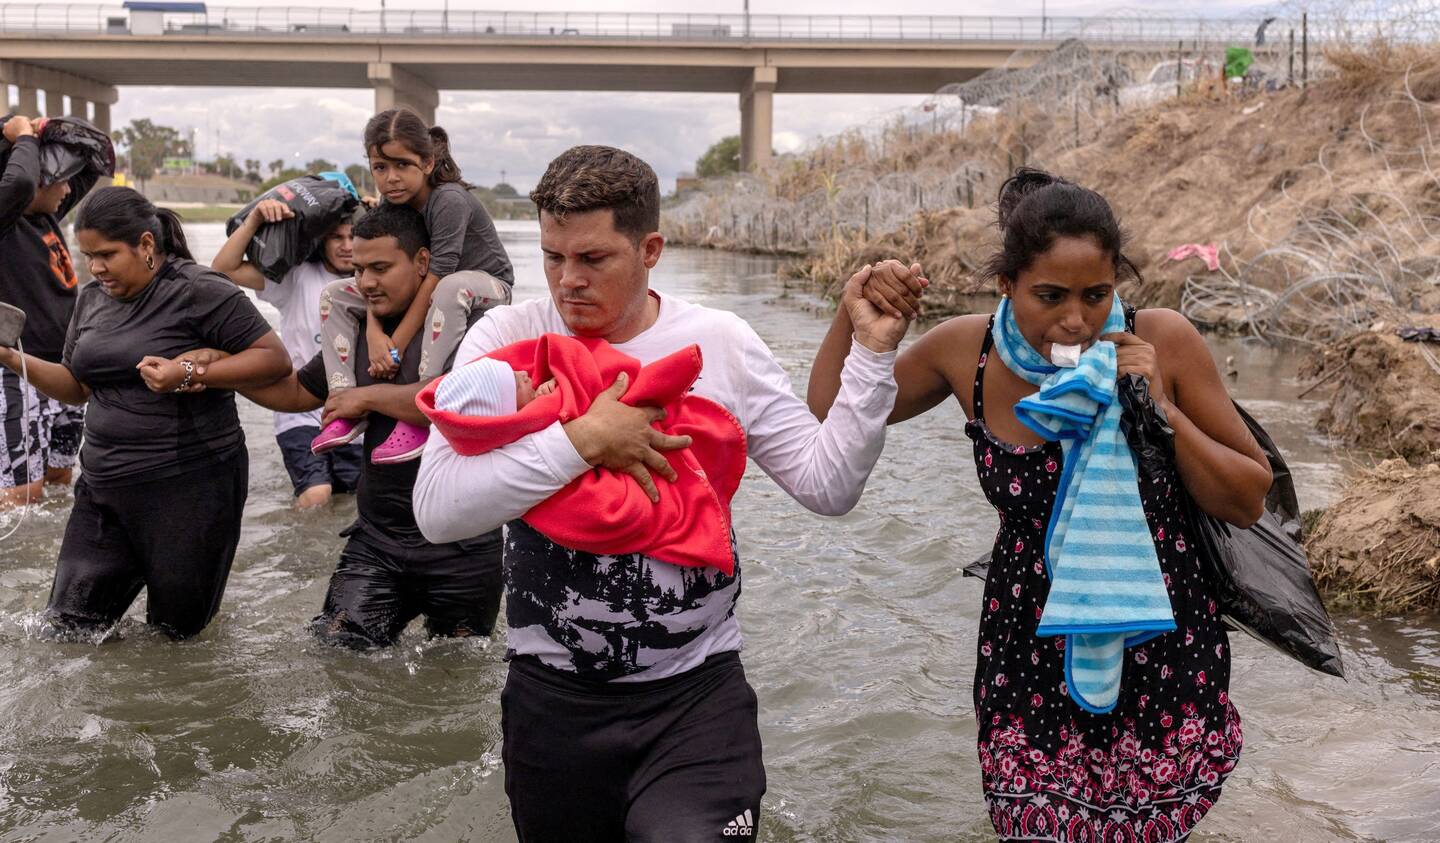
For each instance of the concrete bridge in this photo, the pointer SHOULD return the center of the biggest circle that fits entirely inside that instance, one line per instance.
(84, 52)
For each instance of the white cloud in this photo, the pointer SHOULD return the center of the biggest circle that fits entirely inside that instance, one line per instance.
(514, 132)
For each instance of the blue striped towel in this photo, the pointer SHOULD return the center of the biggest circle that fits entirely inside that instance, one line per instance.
(1106, 589)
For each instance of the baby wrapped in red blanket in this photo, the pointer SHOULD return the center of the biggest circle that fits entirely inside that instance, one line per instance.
(477, 408)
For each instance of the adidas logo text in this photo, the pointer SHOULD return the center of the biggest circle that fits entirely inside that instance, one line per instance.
(741, 826)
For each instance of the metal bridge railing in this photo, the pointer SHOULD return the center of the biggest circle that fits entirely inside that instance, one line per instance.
(308, 21)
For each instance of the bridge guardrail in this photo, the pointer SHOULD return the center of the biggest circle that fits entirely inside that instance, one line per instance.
(305, 21)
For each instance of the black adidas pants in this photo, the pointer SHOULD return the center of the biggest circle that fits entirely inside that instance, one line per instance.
(673, 760)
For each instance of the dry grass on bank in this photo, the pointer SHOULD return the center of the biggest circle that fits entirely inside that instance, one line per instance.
(1378, 547)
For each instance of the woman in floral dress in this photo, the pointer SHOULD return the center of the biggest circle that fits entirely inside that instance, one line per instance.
(1150, 767)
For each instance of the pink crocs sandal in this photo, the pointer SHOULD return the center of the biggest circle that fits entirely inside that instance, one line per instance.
(337, 433)
(403, 445)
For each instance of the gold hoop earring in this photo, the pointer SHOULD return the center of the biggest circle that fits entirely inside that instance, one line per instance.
(150, 262)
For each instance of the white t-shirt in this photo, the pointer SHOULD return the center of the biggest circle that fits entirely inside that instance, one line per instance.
(631, 617)
(297, 297)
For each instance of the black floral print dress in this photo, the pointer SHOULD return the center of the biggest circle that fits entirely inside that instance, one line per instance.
(1151, 768)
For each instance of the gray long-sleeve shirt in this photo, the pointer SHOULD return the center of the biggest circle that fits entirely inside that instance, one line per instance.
(462, 235)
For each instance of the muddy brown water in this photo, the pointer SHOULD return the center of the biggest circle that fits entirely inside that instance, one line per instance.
(860, 643)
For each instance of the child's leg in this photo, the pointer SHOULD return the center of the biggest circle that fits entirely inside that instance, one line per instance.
(456, 297)
(341, 307)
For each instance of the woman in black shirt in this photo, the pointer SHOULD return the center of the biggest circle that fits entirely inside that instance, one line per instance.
(164, 465)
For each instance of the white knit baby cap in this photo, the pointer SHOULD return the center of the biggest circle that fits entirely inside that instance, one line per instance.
(484, 387)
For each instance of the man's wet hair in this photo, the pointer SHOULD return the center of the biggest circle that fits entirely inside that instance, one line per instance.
(402, 222)
(593, 178)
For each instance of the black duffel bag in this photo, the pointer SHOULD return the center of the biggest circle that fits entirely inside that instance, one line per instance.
(320, 203)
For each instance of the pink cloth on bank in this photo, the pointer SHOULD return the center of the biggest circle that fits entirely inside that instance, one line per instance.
(1208, 252)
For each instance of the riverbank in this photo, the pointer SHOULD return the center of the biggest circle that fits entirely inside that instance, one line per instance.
(1273, 179)
(1383, 392)
(195, 212)
(1377, 549)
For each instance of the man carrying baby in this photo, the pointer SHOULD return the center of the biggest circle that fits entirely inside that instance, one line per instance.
(626, 701)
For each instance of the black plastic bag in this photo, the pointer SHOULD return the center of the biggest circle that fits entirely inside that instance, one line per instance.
(69, 146)
(320, 202)
(1260, 575)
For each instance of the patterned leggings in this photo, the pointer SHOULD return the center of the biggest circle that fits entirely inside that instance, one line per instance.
(38, 433)
(456, 297)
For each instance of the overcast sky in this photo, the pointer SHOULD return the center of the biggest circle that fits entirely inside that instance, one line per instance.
(517, 133)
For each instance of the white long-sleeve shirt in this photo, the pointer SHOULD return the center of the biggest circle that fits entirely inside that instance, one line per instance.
(632, 617)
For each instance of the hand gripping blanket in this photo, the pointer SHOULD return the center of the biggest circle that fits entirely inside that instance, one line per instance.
(1106, 589)
(602, 511)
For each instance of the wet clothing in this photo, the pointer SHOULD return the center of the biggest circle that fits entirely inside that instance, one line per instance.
(1151, 768)
(338, 468)
(462, 236)
(630, 617)
(133, 434)
(379, 587)
(165, 475)
(297, 297)
(37, 274)
(38, 433)
(388, 572)
(691, 740)
(175, 537)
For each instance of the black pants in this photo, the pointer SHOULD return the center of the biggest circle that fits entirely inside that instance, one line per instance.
(174, 537)
(674, 760)
(379, 587)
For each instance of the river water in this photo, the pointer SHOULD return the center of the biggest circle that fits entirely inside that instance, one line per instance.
(860, 644)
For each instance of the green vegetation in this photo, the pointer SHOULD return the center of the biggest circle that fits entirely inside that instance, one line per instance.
(147, 145)
(721, 158)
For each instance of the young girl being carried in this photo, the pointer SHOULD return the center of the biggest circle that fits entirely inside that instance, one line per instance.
(469, 270)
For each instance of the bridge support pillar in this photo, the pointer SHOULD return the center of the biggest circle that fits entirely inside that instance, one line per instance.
(29, 103)
(54, 102)
(31, 80)
(395, 86)
(102, 117)
(80, 107)
(757, 118)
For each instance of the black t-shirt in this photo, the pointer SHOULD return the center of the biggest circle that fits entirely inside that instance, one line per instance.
(384, 502)
(133, 434)
(36, 273)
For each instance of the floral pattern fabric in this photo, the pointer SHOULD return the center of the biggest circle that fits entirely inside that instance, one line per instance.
(1150, 769)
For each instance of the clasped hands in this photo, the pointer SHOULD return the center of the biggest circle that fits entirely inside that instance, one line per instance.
(882, 299)
(165, 375)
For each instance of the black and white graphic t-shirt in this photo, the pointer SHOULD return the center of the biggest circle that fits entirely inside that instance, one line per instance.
(632, 617)
(633, 613)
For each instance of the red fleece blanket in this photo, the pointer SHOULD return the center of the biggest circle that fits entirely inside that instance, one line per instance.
(602, 511)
